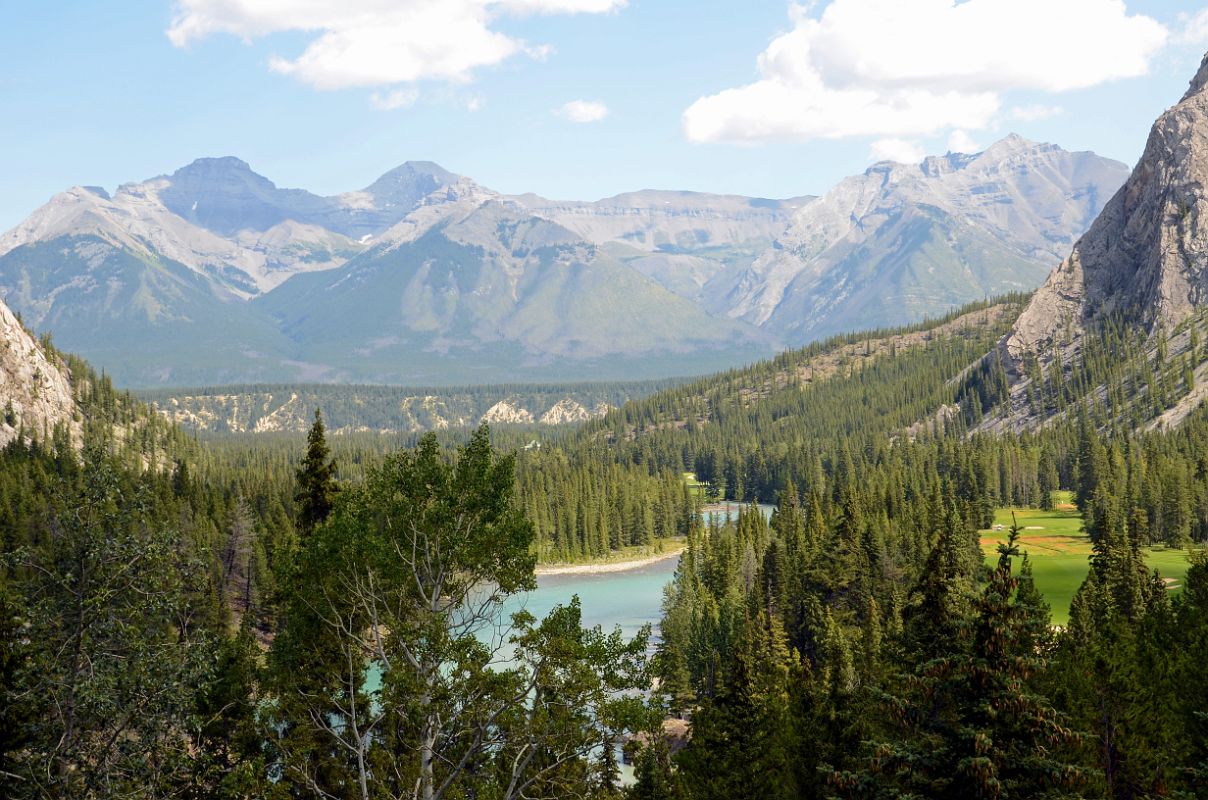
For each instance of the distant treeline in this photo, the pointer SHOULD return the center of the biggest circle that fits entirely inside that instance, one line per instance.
(349, 408)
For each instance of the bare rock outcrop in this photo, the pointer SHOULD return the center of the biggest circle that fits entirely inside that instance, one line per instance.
(506, 412)
(35, 394)
(564, 412)
(1144, 257)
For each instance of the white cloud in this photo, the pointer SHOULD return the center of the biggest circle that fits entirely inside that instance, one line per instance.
(583, 111)
(374, 43)
(900, 150)
(389, 101)
(961, 142)
(1195, 28)
(902, 68)
(1034, 112)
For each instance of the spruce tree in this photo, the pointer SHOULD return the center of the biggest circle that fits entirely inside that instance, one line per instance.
(741, 740)
(969, 723)
(316, 479)
(14, 708)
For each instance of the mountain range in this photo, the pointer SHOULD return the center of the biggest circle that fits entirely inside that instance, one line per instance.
(214, 275)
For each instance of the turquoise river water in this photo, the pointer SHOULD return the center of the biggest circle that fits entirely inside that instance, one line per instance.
(630, 599)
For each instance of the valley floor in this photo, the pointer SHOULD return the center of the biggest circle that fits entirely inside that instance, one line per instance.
(1060, 552)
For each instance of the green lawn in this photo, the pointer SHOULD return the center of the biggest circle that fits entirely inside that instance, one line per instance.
(696, 487)
(1059, 551)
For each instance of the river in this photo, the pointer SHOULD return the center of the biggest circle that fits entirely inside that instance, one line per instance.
(630, 599)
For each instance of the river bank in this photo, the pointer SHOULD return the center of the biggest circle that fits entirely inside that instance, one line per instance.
(602, 567)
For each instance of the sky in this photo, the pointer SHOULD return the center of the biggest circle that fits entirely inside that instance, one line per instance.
(571, 99)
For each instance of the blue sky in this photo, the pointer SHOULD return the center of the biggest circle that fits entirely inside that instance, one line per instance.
(98, 93)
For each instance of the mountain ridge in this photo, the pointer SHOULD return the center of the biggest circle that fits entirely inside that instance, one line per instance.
(638, 284)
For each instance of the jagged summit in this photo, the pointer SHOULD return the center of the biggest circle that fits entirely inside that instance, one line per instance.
(1144, 257)
(1199, 81)
(1009, 145)
(409, 183)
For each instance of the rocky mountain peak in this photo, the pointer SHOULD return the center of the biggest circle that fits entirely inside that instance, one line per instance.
(225, 196)
(216, 165)
(1200, 80)
(1011, 146)
(407, 184)
(416, 170)
(1144, 257)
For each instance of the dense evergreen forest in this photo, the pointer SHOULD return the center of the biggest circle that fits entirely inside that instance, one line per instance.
(154, 642)
(320, 617)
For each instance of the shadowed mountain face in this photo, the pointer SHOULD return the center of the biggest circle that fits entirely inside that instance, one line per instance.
(223, 195)
(214, 274)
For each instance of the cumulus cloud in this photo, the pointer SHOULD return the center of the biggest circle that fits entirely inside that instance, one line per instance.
(900, 150)
(583, 111)
(961, 142)
(900, 68)
(375, 43)
(1194, 28)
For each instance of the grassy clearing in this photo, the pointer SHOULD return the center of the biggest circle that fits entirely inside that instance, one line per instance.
(697, 488)
(1059, 551)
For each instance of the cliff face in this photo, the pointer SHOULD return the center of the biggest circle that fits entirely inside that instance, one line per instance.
(1144, 257)
(35, 394)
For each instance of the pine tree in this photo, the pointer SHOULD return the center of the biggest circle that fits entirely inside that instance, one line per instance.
(14, 710)
(741, 740)
(316, 480)
(654, 775)
(969, 723)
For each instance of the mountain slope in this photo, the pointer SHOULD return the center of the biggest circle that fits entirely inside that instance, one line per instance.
(688, 242)
(144, 317)
(900, 241)
(214, 274)
(495, 287)
(58, 400)
(1117, 327)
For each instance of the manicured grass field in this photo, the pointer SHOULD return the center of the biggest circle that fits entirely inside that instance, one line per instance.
(1059, 551)
(696, 487)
